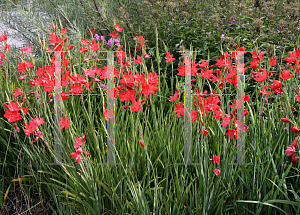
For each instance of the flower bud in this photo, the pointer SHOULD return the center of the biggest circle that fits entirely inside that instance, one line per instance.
(283, 107)
(295, 129)
(285, 120)
(205, 132)
(293, 109)
(142, 143)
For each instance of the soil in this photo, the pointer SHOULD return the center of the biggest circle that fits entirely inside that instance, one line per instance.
(17, 202)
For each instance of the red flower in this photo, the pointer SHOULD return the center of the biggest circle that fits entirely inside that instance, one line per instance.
(38, 121)
(114, 35)
(77, 88)
(217, 171)
(30, 128)
(245, 112)
(294, 143)
(260, 57)
(139, 60)
(295, 129)
(226, 121)
(64, 123)
(232, 133)
(276, 87)
(290, 151)
(246, 98)
(136, 106)
(175, 97)
(294, 160)
(108, 115)
(219, 114)
(94, 46)
(147, 55)
(91, 31)
(216, 159)
(179, 110)
(118, 29)
(285, 74)
(285, 120)
(272, 62)
(7, 47)
(23, 66)
(12, 116)
(3, 37)
(78, 143)
(17, 92)
(204, 64)
(77, 155)
(262, 77)
(82, 50)
(169, 58)
(205, 132)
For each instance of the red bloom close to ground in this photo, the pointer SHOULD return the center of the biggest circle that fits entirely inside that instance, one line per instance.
(64, 122)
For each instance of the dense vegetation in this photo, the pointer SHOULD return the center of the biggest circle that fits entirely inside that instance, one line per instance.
(150, 130)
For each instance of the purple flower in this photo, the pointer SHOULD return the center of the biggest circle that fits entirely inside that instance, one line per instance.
(222, 37)
(111, 40)
(96, 37)
(102, 86)
(102, 37)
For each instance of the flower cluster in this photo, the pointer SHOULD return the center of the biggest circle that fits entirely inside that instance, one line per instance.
(78, 146)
